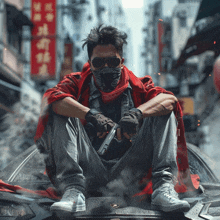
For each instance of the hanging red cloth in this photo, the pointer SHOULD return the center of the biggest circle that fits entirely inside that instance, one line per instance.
(50, 192)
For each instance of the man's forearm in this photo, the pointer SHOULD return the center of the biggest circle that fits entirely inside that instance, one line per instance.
(70, 108)
(162, 104)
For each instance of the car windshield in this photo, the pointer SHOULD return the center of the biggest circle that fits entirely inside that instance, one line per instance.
(27, 170)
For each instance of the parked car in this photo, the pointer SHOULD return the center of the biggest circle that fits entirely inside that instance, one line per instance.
(28, 171)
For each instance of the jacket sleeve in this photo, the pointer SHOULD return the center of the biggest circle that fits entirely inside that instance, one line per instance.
(68, 87)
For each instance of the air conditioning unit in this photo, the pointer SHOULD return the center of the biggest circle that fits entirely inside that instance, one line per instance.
(182, 14)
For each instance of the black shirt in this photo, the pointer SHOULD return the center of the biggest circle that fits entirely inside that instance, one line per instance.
(113, 110)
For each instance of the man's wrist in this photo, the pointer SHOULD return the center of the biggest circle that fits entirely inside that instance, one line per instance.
(91, 113)
(138, 113)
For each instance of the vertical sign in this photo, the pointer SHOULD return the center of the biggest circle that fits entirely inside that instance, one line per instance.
(43, 43)
(187, 105)
(160, 44)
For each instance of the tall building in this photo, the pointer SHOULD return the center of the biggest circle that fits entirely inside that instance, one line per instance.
(165, 38)
(152, 30)
(112, 13)
(13, 21)
(183, 18)
(82, 22)
(19, 101)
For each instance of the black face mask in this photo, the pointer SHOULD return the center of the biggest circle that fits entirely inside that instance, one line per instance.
(107, 78)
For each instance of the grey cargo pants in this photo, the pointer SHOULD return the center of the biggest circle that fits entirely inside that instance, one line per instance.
(72, 161)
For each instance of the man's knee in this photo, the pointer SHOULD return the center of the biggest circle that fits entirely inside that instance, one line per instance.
(163, 120)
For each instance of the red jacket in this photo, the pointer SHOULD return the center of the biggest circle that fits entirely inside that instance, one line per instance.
(76, 86)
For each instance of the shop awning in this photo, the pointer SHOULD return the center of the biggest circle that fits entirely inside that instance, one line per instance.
(9, 75)
(206, 39)
(208, 8)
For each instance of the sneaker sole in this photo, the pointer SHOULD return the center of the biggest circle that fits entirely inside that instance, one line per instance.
(178, 208)
(79, 208)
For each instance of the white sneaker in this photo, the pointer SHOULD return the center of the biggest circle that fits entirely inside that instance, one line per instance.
(72, 201)
(165, 198)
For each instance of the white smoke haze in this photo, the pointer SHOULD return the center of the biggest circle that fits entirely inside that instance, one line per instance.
(17, 132)
(210, 142)
(124, 187)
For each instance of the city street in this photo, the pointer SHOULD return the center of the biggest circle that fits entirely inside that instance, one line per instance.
(174, 44)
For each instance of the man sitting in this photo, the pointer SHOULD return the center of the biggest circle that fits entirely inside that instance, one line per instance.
(81, 109)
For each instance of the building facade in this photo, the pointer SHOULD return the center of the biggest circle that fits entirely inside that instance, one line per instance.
(161, 54)
(194, 77)
(112, 13)
(12, 59)
(152, 40)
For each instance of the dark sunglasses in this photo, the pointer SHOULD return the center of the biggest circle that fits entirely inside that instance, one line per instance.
(99, 62)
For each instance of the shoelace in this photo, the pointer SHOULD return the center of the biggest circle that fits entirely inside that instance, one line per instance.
(170, 193)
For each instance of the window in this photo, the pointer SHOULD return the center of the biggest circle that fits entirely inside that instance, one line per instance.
(15, 20)
(182, 15)
(182, 22)
(14, 39)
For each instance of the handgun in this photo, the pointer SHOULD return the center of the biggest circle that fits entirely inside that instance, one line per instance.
(106, 143)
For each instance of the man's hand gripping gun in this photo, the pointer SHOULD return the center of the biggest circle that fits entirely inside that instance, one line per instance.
(106, 143)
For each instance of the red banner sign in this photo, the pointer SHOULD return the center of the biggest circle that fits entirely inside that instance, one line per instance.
(160, 44)
(43, 43)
